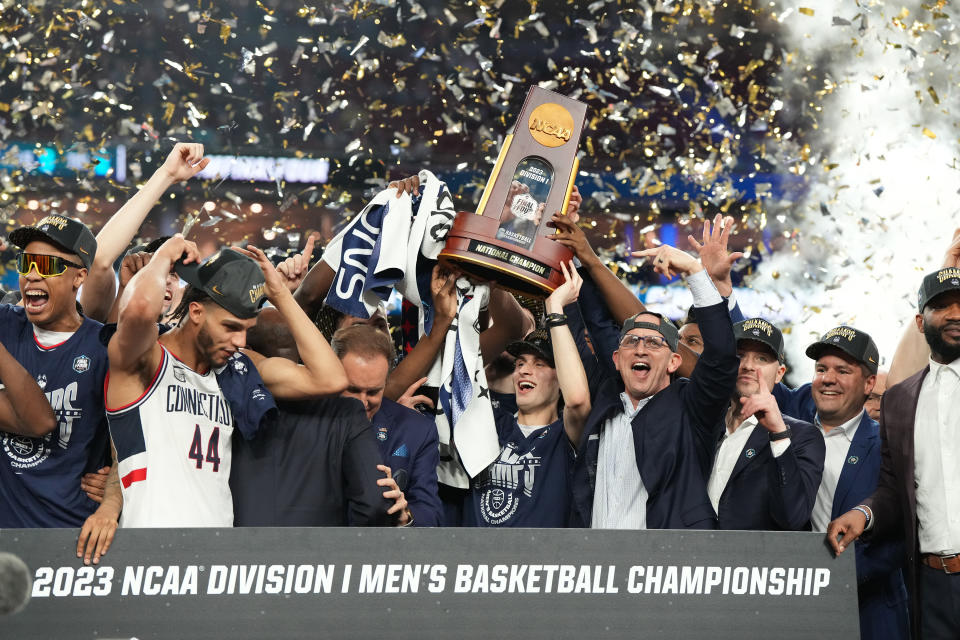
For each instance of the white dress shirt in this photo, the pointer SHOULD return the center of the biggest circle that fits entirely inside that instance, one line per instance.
(837, 442)
(936, 441)
(620, 499)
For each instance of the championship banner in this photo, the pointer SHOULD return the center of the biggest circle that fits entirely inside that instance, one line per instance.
(426, 583)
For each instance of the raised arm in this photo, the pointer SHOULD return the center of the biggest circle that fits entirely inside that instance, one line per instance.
(570, 372)
(313, 290)
(321, 372)
(24, 409)
(619, 299)
(417, 363)
(509, 323)
(714, 256)
(142, 303)
(98, 294)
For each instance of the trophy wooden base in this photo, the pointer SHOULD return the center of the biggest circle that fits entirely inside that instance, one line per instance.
(472, 247)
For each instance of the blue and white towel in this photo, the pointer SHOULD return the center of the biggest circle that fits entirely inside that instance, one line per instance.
(468, 435)
(394, 242)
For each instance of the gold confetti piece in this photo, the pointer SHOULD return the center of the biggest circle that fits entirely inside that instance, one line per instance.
(224, 32)
(933, 94)
(930, 134)
(806, 11)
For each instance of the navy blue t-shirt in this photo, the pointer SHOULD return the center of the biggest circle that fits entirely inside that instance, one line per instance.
(40, 477)
(528, 485)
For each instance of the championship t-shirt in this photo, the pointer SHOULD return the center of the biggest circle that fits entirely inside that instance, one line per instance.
(40, 477)
(528, 485)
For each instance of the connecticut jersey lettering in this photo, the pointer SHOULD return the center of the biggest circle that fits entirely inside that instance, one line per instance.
(40, 477)
(173, 451)
(528, 484)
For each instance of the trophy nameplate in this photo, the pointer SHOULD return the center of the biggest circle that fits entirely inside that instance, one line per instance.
(507, 239)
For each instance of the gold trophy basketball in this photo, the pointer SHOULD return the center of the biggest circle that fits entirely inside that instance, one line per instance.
(507, 239)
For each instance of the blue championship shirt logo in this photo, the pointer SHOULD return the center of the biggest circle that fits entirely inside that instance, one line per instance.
(504, 484)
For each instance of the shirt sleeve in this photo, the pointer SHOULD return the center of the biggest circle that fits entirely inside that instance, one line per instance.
(778, 447)
(703, 290)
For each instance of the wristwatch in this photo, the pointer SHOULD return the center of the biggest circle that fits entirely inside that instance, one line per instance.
(781, 435)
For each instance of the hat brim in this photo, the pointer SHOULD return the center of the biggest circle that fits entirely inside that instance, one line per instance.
(817, 349)
(25, 235)
(521, 348)
(189, 273)
(779, 356)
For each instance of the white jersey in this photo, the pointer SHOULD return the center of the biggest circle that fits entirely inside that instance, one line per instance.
(173, 450)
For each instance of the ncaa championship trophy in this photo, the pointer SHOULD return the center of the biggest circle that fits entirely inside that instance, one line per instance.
(507, 240)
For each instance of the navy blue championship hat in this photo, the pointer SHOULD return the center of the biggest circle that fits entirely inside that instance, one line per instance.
(664, 327)
(934, 284)
(68, 234)
(856, 344)
(231, 279)
(759, 330)
(536, 343)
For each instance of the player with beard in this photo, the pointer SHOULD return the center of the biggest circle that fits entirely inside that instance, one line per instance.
(918, 493)
(41, 462)
(169, 419)
(528, 484)
(764, 478)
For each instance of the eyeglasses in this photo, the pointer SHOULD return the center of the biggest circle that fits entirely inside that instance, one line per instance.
(651, 343)
(47, 266)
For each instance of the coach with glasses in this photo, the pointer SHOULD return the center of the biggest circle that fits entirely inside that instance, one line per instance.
(649, 440)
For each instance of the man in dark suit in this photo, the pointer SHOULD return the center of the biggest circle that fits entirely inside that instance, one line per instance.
(764, 478)
(918, 495)
(649, 441)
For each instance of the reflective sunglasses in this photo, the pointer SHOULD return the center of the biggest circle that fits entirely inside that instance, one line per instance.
(47, 266)
(652, 343)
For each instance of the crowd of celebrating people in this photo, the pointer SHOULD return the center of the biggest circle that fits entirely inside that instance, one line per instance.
(130, 401)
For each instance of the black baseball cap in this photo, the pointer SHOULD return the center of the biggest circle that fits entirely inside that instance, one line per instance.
(231, 279)
(856, 344)
(759, 330)
(536, 343)
(664, 327)
(934, 284)
(66, 233)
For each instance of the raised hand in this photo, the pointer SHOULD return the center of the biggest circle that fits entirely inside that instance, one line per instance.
(274, 282)
(295, 269)
(570, 235)
(409, 185)
(567, 292)
(443, 286)
(179, 248)
(764, 406)
(669, 261)
(185, 161)
(131, 265)
(952, 257)
(573, 206)
(714, 255)
(409, 400)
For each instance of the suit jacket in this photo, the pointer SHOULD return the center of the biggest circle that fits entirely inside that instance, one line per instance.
(894, 503)
(674, 435)
(881, 591)
(768, 493)
(409, 443)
